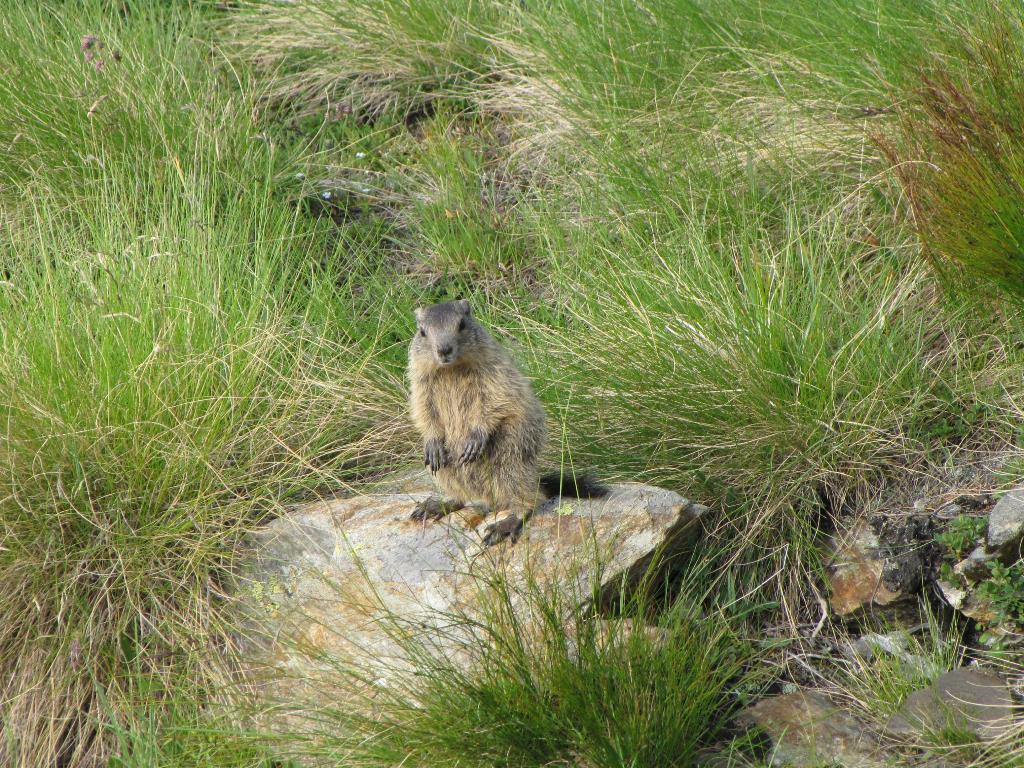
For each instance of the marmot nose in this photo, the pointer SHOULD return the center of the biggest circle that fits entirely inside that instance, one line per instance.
(445, 351)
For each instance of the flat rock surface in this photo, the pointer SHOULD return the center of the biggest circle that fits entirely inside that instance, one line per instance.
(807, 731)
(336, 578)
(967, 699)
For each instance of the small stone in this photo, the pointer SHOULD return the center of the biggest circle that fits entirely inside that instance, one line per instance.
(868, 646)
(979, 609)
(967, 602)
(974, 567)
(868, 573)
(1006, 525)
(895, 644)
(857, 574)
(954, 594)
(1017, 686)
(967, 699)
(808, 731)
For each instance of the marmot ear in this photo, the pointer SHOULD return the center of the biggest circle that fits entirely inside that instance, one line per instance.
(463, 305)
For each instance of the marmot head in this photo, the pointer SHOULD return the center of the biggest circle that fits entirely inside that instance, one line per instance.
(446, 332)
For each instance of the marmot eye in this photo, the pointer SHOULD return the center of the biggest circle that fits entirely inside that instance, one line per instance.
(422, 332)
(462, 324)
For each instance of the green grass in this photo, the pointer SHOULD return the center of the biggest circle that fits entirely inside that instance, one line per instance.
(959, 152)
(703, 227)
(771, 366)
(383, 57)
(878, 683)
(173, 367)
(529, 676)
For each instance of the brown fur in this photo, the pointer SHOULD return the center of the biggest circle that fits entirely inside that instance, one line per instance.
(466, 389)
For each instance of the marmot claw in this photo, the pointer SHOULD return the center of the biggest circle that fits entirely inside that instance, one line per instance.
(474, 447)
(434, 455)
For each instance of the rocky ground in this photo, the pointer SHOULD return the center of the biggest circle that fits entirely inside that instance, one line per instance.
(346, 578)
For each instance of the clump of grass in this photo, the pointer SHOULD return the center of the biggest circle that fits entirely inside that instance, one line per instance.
(530, 676)
(167, 377)
(386, 57)
(463, 211)
(178, 733)
(959, 153)
(770, 366)
(899, 663)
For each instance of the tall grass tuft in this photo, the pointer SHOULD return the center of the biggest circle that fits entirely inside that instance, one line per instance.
(381, 58)
(528, 676)
(174, 369)
(770, 368)
(959, 153)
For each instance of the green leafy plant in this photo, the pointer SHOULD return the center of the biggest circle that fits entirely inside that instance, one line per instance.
(1004, 590)
(962, 533)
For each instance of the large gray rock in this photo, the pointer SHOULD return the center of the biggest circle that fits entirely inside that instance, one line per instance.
(808, 731)
(1006, 525)
(346, 578)
(968, 700)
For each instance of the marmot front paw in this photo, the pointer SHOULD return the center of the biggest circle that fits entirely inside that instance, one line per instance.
(473, 448)
(434, 455)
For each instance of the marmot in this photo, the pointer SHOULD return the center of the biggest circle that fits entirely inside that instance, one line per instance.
(483, 428)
